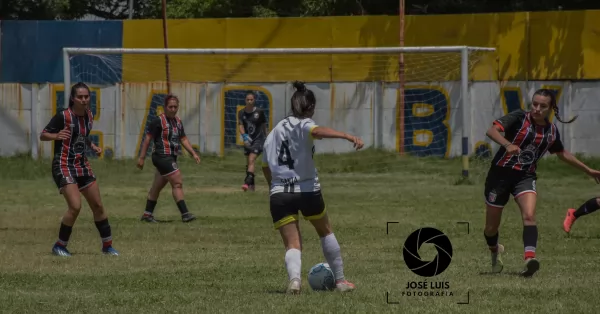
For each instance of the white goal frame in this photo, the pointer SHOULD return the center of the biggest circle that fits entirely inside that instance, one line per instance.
(463, 50)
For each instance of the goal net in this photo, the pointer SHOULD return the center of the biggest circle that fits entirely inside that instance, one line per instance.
(411, 101)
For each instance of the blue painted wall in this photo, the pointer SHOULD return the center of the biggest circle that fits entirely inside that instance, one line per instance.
(32, 51)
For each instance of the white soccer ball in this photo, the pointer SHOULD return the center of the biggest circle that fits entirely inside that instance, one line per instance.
(320, 277)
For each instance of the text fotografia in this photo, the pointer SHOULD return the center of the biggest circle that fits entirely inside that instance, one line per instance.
(427, 289)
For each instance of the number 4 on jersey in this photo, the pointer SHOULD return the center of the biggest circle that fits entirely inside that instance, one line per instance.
(285, 157)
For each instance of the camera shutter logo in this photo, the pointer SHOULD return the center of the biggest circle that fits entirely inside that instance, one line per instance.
(416, 264)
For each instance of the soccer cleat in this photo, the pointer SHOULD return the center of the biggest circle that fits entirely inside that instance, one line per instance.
(569, 220)
(294, 286)
(344, 286)
(148, 218)
(187, 217)
(109, 250)
(531, 266)
(60, 250)
(245, 187)
(497, 264)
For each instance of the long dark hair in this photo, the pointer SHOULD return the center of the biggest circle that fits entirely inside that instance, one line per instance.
(553, 103)
(303, 100)
(74, 89)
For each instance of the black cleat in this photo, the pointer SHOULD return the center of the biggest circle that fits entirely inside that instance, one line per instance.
(187, 217)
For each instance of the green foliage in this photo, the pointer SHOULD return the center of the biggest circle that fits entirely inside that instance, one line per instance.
(118, 9)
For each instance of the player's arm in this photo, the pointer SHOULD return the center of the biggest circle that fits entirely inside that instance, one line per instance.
(154, 130)
(55, 130)
(245, 136)
(501, 125)
(568, 158)
(321, 132)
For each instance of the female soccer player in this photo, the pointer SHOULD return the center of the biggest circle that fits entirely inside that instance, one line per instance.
(168, 135)
(592, 205)
(252, 122)
(290, 171)
(72, 173)
(527, 137)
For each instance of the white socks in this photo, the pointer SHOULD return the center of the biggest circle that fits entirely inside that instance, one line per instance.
(293, 263)
(333, 255)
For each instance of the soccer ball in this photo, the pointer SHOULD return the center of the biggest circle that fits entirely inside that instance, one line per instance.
(320, 277)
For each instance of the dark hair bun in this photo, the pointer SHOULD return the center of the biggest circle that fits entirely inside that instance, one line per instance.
(299, 86)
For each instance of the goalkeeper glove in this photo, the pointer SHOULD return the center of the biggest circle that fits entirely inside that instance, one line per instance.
(246, 139)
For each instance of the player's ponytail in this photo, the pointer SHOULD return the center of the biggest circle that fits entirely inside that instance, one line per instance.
(74, 89)
(553, 103)
(303, 101)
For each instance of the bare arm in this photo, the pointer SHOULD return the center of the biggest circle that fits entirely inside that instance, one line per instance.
(494, 134)
(145, 146)
(186, 144)
(570, 159)
(45, 136)
(325, 132)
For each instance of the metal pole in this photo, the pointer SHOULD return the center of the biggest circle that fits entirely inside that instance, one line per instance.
(166, 43)
(130, 9)
(401, 80)
(466, 110)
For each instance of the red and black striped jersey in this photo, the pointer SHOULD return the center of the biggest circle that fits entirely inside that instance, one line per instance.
(166, 134)
(533, 140)
(70, 154)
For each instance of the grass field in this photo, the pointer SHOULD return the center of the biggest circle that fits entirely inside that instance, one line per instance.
(231, 260)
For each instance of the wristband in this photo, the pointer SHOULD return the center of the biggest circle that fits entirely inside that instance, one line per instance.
(506, 145)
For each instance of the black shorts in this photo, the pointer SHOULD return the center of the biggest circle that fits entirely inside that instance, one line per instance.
(61, 180)
(502, 182)
(165, 164)
(285, 207)
(255, 148)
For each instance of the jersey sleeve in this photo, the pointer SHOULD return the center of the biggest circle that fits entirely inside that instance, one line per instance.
(557, 146)
(154, 128)
(307, 127)
(510, 120)
(182, 131)
(56, 124)
(239, 117)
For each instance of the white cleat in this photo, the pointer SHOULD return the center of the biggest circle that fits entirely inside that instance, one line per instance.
(497, 264)
(294, 286)
(344, 286)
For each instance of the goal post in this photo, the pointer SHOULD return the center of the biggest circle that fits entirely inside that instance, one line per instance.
(431, 65)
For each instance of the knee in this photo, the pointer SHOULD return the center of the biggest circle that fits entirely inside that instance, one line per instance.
(177, 185)
(74, 209)
(528, 219)
(598, 201)
(96, 206)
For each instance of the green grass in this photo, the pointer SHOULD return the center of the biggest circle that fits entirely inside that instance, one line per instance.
(231, 260)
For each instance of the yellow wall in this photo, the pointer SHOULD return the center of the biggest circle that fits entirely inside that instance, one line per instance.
(530, 46)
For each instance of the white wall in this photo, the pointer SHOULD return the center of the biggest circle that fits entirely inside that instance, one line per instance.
(365, 109)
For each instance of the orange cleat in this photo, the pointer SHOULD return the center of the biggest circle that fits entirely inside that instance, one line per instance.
(569, 220)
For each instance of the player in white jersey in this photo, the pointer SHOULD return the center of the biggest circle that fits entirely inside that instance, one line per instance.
(290, 171)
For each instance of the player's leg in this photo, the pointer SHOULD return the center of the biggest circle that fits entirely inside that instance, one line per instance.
(176, 180)
(68, 188)
(158, 184)
(526, 197)
(590, 206)
(313, 210)
(497, 194)
(284, 212)
(90, 190)
(247, 180)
